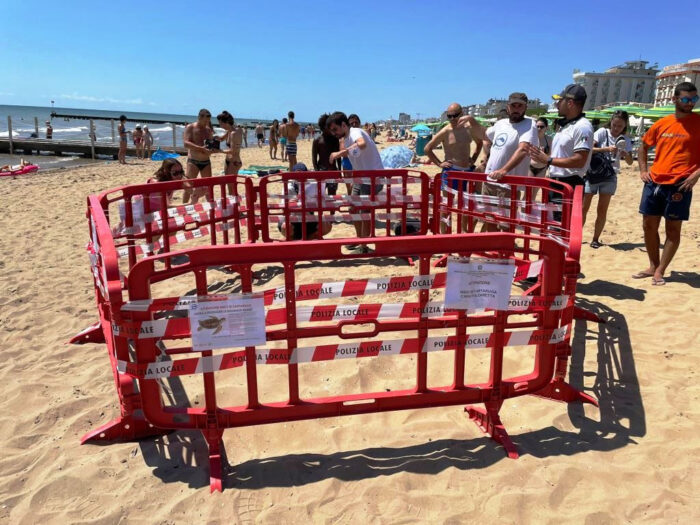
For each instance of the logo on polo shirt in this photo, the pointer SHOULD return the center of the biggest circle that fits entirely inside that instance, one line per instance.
(500, 140)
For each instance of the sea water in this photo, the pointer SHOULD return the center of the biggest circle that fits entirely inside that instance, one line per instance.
(23, 125)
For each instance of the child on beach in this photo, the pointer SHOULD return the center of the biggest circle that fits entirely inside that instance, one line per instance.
(147, 142)
(137, 137)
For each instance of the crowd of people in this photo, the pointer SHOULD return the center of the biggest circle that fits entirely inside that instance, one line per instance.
(516, 144)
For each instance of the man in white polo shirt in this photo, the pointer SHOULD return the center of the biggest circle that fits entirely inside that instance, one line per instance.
(572, 145)
(507, 144)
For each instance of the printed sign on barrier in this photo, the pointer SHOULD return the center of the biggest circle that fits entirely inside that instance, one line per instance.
(237, 321)
(478, 283)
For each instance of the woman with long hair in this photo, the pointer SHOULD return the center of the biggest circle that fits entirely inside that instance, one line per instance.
(612, 142)
(233, 137)
(274, 133)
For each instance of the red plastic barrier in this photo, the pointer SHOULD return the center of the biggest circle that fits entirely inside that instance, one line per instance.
(494, 331)
(396, 196)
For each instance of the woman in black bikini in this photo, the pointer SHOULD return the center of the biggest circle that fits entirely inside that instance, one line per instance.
(232, 162)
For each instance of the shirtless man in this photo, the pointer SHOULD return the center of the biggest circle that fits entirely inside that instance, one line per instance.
(260, 134)
(456, 139)
(283, 138)
(292, 130)
(198, 161)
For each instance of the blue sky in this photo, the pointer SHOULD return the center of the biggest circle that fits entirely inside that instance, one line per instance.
(260, 59)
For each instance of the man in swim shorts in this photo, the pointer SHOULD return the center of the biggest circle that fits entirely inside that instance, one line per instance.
(198, 161)
(456, 139)
(668, 185)
(292, 130)
(283, 138)
(260, 134)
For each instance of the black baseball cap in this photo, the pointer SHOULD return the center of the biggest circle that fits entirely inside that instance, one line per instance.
(572, 91)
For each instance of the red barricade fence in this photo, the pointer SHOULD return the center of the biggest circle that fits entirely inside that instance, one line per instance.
(150, 304)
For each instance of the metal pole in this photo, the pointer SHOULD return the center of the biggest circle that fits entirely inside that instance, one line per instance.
(112, 122)
(174, 144)
(9, 132)
(92, 139)
(36, 126)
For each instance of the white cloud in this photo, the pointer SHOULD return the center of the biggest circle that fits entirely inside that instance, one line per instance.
(90, 98)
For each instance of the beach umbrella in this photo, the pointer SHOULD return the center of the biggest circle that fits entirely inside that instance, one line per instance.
(420, 128)
(396, 157)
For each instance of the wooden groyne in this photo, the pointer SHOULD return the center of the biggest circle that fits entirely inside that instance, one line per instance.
(85, 148)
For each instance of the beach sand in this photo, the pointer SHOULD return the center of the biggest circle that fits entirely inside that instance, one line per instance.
(634, 460)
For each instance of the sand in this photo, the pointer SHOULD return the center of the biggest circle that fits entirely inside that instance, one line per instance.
(633, 460)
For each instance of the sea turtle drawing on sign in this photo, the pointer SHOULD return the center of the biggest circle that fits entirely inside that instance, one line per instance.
(211, 323)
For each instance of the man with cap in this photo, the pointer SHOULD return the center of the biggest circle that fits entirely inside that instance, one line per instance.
(507, 144)
(572, 146)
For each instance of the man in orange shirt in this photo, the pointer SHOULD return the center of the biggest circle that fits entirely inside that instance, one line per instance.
(669, 183)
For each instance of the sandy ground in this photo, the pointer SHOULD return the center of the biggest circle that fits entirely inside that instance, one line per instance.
(633, 460)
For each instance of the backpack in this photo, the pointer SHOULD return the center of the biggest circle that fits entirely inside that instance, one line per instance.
(601, 168)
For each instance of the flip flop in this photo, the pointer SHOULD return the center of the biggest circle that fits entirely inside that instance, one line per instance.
(657, 282)
(596, 244)
(642, 275)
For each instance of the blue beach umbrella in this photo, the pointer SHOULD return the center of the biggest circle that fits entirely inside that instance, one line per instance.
(396, 157)
(421, 128)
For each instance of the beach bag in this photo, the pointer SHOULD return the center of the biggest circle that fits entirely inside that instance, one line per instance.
(601, 168)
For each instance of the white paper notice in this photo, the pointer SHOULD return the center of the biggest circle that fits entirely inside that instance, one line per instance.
(235, 322)
(478, 283)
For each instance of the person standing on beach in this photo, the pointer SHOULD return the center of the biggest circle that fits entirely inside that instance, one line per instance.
(244, 134)
(507, 144)
(198, 162)
(233, 138)
(147, 142)
(292, 132)
(668, 185)
(283, 138)
(572, 146)
(274, 133)
(321, 149)
(49, 130)
(456, 140)
(260, 134)
(123, 137)
(137, 137)
(357, 145)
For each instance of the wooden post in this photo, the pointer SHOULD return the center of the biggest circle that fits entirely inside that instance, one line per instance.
(92, 139)
(36, 126)
(174, 138)
(9, 131)
(112, 122)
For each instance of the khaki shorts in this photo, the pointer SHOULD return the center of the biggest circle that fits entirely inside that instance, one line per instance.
(498, 191)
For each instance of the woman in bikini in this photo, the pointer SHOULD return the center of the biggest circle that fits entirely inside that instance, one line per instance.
(233, 138)
(274, 132)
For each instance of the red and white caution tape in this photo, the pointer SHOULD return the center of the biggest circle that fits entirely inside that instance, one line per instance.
(309, 354)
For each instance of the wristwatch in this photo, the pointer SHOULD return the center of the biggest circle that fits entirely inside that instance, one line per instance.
(549, 161)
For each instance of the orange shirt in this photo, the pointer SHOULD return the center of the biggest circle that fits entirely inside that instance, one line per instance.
(677, 143)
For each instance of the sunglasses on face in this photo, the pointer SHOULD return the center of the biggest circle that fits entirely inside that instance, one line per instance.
(453, 115)
(689, 100)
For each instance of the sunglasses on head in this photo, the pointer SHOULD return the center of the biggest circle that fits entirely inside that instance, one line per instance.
(689, 100)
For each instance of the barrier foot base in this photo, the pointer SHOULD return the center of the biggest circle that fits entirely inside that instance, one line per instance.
(490, 423)
(560, 390)
(582, 313)
(92, 334)
(125, 428)
(215, 460)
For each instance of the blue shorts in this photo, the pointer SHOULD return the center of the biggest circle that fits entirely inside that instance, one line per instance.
(455, 183)
(666, 200)
(606, 187)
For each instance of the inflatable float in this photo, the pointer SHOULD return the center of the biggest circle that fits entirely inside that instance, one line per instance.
(11, 171)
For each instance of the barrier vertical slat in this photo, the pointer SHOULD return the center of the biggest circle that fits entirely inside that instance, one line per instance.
(422, 361)
(291, 303)
(246, 274)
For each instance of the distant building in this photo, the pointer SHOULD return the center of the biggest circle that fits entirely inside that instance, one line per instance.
(671, 76)
(494, 106)
(404, 118)
(630, 82)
